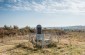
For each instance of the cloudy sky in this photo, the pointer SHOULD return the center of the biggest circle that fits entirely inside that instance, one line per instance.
(45, 12)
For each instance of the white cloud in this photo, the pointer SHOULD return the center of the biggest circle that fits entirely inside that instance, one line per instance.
(38, 7)
(63, 5)
(49, 5)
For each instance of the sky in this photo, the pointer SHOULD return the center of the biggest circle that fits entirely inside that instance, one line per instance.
(48, 13)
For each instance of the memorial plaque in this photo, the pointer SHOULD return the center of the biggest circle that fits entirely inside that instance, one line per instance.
(40, 36)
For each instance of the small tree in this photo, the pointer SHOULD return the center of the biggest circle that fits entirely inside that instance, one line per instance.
(6, 27)
(16, 27)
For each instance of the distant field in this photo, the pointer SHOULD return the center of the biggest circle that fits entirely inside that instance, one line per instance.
(72, 43)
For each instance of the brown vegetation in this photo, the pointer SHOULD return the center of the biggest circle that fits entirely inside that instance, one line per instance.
(62, 43)
(15, 30)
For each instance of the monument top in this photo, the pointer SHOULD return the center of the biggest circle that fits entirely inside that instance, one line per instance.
(38, 26)
(39, 29)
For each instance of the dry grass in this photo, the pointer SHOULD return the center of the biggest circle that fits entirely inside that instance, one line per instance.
(69, 44)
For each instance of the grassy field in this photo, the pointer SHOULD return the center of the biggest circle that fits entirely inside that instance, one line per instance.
(72, 43)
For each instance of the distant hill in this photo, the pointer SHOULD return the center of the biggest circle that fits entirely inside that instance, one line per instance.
(69, 27)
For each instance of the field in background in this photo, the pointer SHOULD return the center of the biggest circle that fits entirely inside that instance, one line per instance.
(71, 43)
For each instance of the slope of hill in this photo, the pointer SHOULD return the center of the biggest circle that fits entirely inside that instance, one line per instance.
(82, 28)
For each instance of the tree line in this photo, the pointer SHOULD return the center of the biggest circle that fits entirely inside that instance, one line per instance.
(15, 30)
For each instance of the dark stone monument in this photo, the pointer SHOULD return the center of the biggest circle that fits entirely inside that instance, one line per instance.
(39, 35)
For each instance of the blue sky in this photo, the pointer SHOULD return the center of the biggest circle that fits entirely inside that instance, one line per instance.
(48, 13)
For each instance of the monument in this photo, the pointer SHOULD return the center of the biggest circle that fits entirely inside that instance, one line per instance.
(39, 36)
